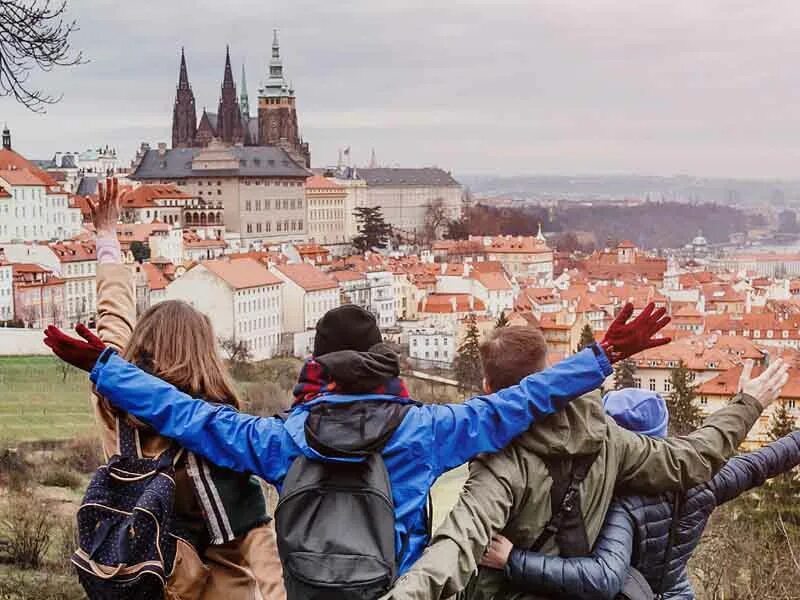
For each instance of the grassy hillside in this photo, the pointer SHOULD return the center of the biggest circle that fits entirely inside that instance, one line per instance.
(38, 402)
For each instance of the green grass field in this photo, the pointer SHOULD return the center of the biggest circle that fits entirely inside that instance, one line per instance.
(38, 403)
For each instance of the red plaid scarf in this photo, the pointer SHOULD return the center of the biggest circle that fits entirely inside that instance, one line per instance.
(313, 381)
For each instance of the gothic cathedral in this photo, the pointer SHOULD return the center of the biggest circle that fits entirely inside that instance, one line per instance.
(275, 125)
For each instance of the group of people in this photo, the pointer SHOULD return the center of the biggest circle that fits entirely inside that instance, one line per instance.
(568, 496)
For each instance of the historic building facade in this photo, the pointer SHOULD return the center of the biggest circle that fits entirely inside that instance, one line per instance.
(274, 125)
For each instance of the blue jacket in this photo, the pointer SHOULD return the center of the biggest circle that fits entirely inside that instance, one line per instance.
(430, 440)
(636, 532)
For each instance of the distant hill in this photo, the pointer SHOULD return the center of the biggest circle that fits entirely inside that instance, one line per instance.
(679, 188)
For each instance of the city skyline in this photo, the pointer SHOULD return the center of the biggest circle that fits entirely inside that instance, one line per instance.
(511, 88)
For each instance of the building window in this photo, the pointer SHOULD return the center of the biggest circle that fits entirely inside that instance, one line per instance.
(248, 205)
(249, 228)
(637, 382)
(652, 383)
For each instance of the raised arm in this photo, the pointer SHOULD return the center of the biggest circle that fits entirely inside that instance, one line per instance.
(116, 305)
(217, 432)
(652, 466)
(489, 423)
(746, 471)
(598, 576)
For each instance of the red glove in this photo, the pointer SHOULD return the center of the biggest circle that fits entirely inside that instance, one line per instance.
(625, 339)
(78, 353)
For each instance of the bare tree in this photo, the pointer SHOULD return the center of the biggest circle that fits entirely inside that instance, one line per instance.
(436, 219)
(33, 34)
(239, 354)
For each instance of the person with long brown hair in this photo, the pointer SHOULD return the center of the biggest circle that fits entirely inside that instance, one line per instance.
(226, 545)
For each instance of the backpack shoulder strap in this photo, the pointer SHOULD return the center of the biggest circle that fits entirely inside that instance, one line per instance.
(566, 523)
(129, 444)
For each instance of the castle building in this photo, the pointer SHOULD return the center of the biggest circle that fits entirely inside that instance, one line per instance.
(232, 124)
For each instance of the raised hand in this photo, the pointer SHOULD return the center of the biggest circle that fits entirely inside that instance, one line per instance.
(105, 212)
(625, 339)
(79, 353)
(766, 387)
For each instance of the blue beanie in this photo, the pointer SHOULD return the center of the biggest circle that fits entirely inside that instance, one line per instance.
(639, 411)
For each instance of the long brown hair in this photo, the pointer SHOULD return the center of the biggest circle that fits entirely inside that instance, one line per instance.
(176, 343)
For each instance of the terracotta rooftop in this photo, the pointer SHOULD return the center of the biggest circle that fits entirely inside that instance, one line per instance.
(155, 277)
(320, 183)
(727, 383)
(341, 276)
(241, 273)
(307, 276)
(20, 177)
(451, 303)
(73, 251)
(145, 196)
(9, 160)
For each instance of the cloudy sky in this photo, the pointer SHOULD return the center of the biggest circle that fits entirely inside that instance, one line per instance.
(707, 87)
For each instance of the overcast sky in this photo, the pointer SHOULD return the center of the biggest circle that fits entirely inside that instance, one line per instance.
(706, 87)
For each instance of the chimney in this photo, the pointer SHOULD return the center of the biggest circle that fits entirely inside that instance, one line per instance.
(471, 302)
(162, 148)
(453, 303)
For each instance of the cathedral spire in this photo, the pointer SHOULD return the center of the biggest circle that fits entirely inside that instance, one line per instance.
(183, 77)
(227, 80)
(244, 100)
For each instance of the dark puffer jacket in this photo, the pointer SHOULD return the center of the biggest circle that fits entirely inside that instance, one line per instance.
(637, 531)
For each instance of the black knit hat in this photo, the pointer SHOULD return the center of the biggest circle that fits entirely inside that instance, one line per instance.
(347, 327)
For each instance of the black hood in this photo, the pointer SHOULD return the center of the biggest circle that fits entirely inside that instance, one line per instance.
(353, 430)
(361, 372)
(362, 427)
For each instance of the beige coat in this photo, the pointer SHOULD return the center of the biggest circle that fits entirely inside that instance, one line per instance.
(247, 568)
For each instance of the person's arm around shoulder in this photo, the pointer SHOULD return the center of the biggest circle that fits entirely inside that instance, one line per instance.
(652, 466)
(489, 423)
(600, 575)
(483, 509)
(217, 432)
(747, 471)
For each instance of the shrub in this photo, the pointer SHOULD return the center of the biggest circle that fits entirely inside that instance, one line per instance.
(266, 399)
(29, 585)
(84, 454)
(60, 476)
(26, 528)
(65, 544)
(15, 472)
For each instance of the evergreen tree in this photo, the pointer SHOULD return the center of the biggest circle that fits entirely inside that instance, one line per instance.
(587, 337)
(373, 231)
(684, 415)
(140, 251)
(502, 321)
(624, 372)
(782, 422)
(467, 363)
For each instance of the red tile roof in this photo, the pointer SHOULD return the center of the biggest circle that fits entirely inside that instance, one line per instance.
(320, 183)
(451, 303)
(155, 277)
(241, 273)
(727, 383)
(20, 177)
(74, 251)
(307, 276)
(145, 196)
(11, 160)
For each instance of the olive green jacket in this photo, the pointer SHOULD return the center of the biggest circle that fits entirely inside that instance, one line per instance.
(509, 492)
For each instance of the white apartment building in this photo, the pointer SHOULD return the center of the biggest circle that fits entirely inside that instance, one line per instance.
(167, 243)
(372, 291)
(432, 347)
(327, 213)
(404, 195)
(308, 293)
(78, 269)
(6, 289)
(31, 209)
(242, 299)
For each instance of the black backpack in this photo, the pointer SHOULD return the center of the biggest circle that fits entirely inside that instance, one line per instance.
(335, 525)
(126, 550)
